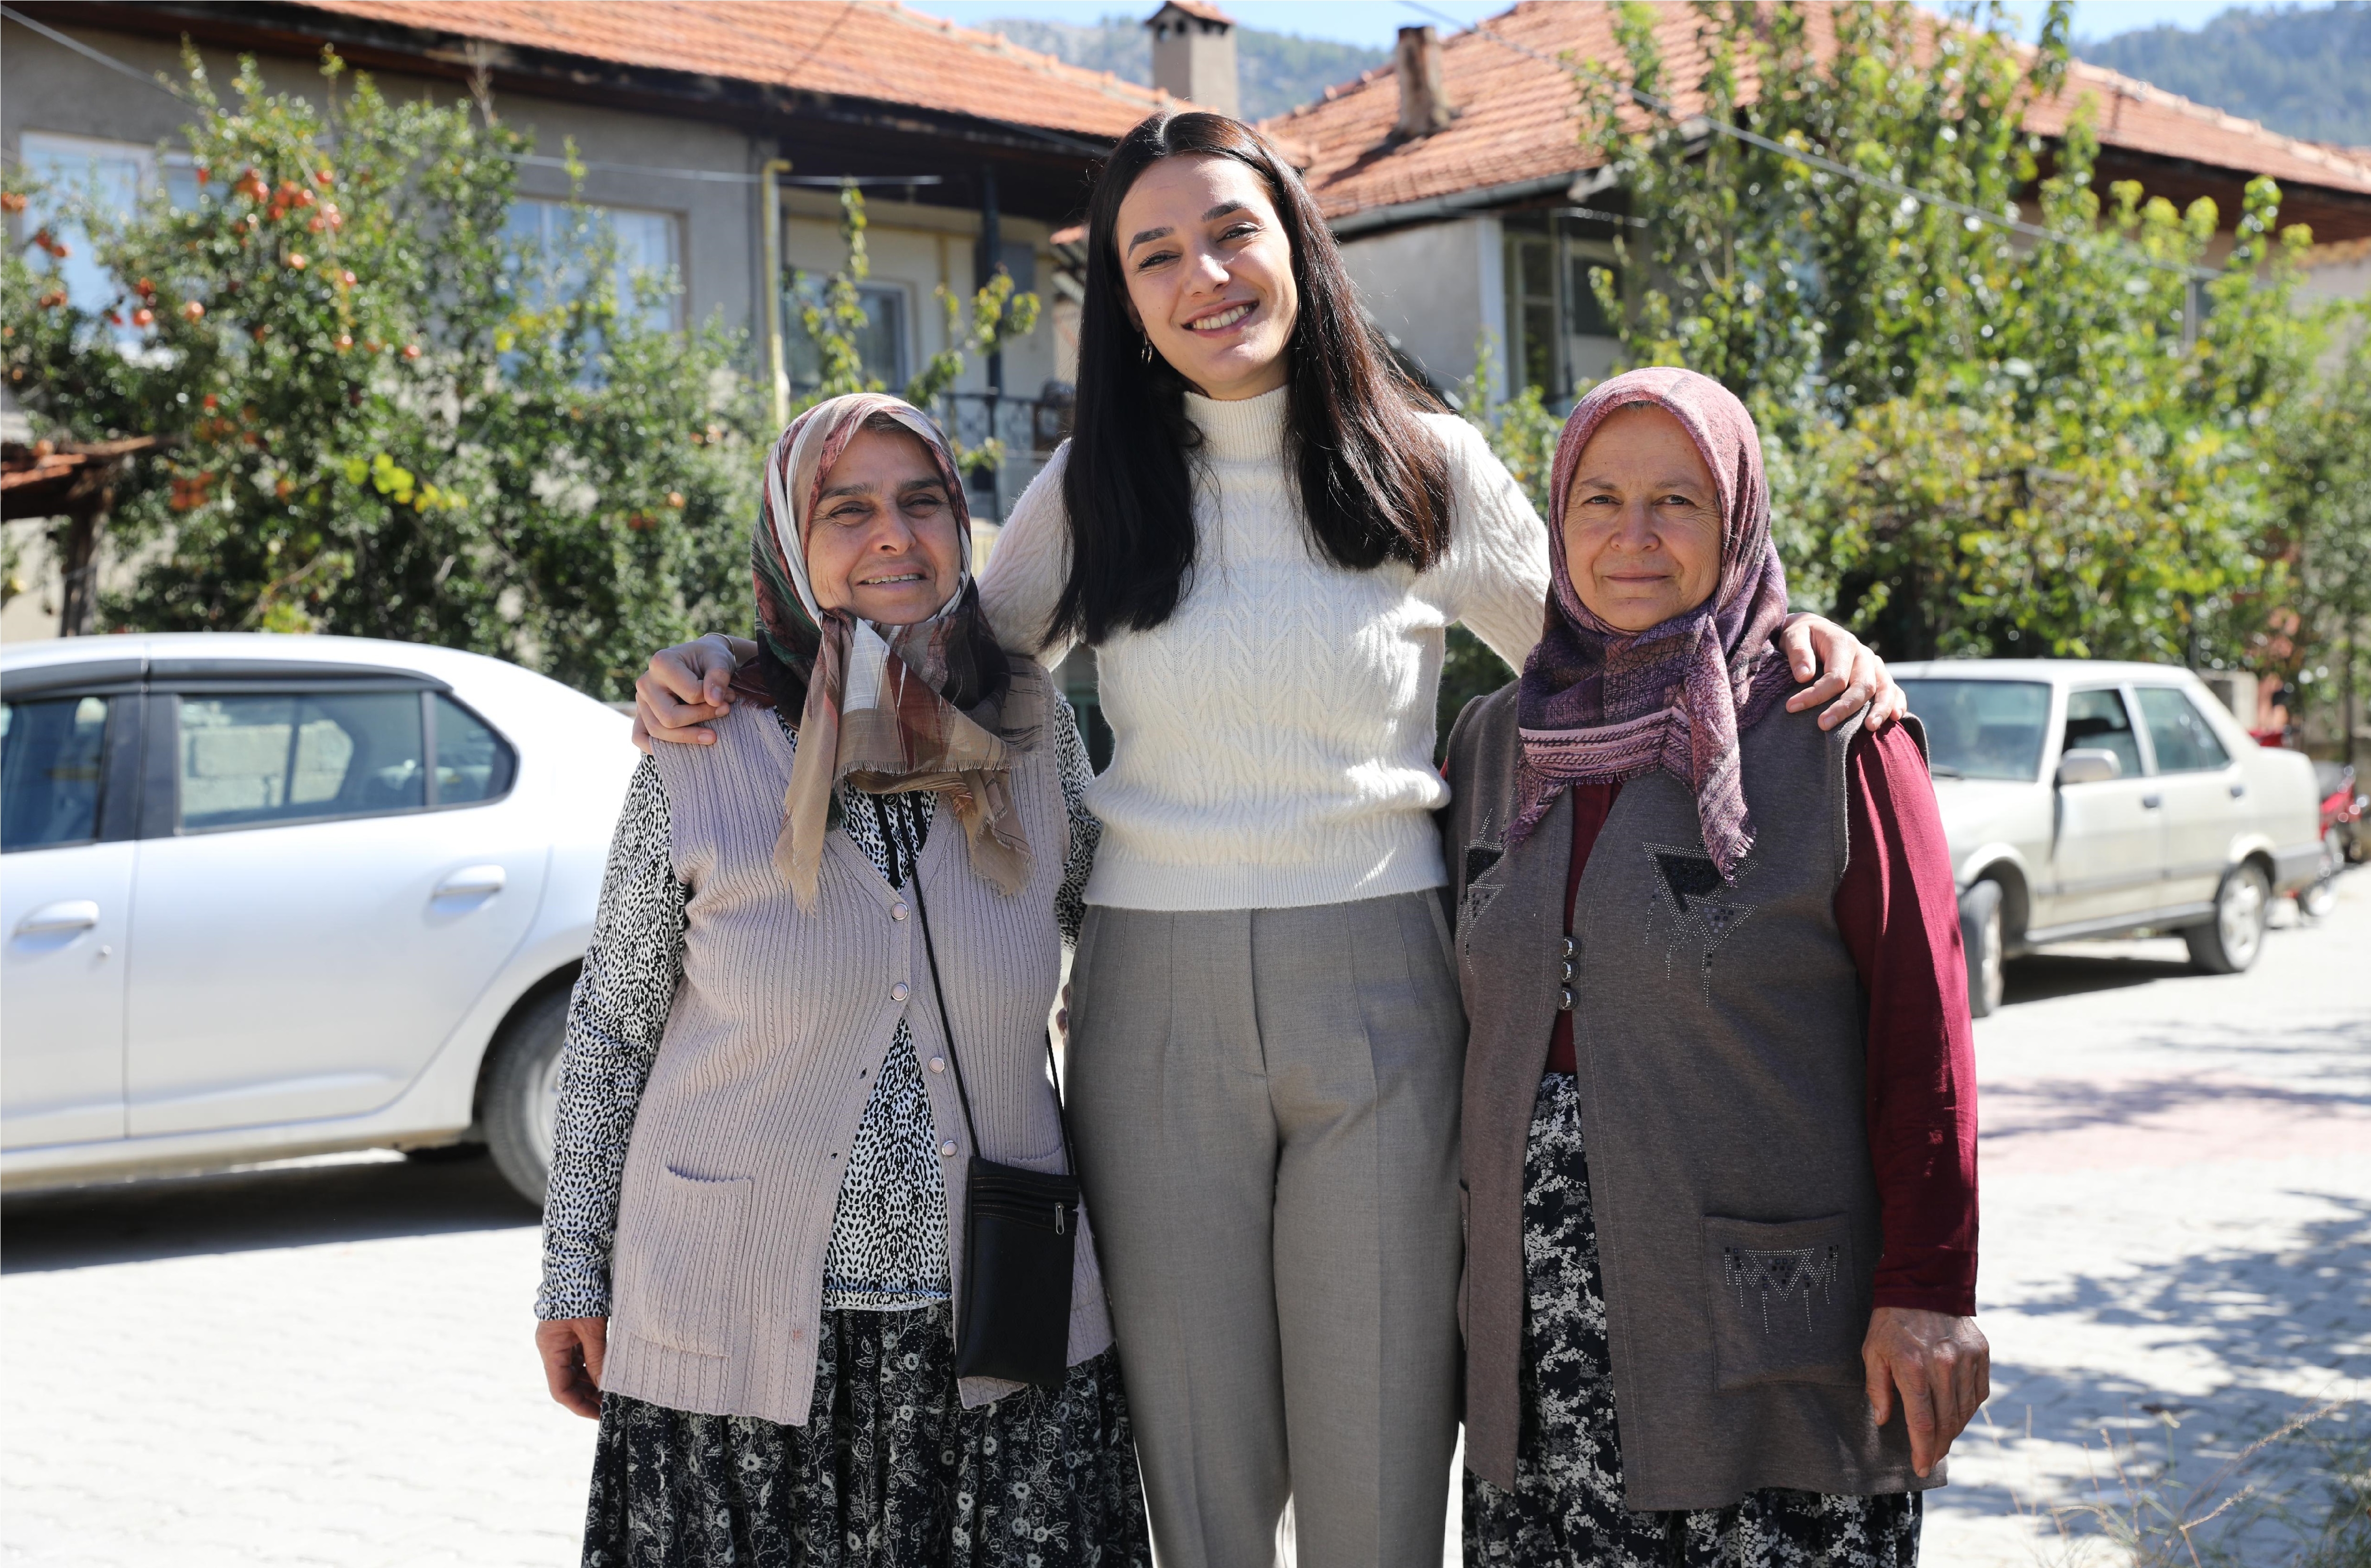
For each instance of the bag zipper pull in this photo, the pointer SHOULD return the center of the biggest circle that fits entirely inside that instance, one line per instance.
(1058, 1220)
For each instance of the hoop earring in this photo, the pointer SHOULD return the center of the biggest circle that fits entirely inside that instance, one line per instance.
(1148, 348)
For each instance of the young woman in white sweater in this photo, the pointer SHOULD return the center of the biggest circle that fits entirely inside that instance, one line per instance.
(1264, 530)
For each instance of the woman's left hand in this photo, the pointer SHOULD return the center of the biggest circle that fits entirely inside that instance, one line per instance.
(1850, 676)
(1943, 1366)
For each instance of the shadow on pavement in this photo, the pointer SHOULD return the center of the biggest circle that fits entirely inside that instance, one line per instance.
(2279, 1316)
(294, 1206)
(2045, 976)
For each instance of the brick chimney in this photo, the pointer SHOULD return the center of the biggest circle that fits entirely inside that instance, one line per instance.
(1194, 54)
(1424, 101)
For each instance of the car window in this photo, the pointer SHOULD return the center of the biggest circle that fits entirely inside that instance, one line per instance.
(254, 761)
(473, 763)
(2096, 721)
(2185, 743)
(1981, 730)
(51, 754)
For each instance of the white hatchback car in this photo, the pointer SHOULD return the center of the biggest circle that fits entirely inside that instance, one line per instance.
(267, 896)
(2085, 798)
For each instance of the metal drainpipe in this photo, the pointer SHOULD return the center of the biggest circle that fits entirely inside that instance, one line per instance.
(770, 216)
(991, 252)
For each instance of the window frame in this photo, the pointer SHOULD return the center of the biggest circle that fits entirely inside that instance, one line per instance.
(117, 816)
(2205, 721)
(140, 792)
(152, 175)
(794, 333)
(2123, 692)
(429, 689)
(675, 304)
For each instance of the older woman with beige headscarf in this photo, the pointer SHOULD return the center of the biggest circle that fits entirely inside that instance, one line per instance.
(751, 1243)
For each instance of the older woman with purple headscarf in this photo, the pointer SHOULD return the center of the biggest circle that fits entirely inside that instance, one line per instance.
(1719, 1110)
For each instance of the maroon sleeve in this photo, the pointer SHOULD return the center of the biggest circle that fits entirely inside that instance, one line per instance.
(1899, 915)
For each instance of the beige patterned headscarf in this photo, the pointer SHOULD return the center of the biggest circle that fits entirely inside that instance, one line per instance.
(930, 707)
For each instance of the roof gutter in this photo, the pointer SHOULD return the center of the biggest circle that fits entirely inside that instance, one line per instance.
(1457, 203)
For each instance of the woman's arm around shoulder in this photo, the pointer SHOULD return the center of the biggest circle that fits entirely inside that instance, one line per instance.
(1028, 566)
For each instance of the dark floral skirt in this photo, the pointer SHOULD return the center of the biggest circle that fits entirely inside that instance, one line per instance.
(1567, 1506)
(890, 1470)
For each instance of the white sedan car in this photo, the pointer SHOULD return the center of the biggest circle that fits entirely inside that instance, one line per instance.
(2085, 798)
(269, 896)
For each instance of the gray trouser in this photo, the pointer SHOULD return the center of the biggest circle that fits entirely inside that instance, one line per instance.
(1265, 1106)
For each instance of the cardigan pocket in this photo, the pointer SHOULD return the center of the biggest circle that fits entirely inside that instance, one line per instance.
(678, 1259)
(1786, 1302)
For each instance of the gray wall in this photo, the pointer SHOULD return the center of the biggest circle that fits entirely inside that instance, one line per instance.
(49, 87)
(1439, 288)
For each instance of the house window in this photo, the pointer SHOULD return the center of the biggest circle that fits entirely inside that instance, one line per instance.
(880, 343)
(1558, 335)
(113, 176)
(646, 251)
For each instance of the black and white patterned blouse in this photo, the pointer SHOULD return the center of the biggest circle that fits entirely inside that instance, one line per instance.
(888, 1249)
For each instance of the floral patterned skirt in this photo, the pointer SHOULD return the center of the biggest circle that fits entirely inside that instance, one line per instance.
(890, 1470)
(1567, 1506)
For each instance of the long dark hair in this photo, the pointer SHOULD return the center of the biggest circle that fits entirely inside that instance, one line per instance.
(1374, 481)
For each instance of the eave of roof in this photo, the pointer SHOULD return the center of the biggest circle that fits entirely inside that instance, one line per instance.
(1520, 118)
(875, 49)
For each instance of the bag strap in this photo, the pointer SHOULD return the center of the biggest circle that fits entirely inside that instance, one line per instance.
(912, 867)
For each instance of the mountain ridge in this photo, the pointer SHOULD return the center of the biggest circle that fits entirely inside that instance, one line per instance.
(2305, 72)
(1278, 70)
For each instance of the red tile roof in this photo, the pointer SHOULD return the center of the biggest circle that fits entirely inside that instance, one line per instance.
(868, 49)
(1519, 115)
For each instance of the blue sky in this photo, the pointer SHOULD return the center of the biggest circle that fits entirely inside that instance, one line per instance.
(1374, 22)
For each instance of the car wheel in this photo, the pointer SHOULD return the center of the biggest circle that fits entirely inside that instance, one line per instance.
(2231, 942)
(1979, 934)
(523, 1095)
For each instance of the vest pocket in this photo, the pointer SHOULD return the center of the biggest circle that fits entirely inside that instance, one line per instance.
(1784, 1302)
(677, 1259)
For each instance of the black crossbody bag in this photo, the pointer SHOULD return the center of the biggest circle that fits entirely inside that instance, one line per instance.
(1021, 1227)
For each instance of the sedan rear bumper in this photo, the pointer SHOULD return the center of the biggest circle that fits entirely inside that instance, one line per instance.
(2295, 866)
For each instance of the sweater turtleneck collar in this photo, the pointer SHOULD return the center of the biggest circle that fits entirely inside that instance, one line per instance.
(1249, 430)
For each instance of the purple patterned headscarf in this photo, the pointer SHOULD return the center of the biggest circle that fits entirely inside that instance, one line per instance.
(1598, 705)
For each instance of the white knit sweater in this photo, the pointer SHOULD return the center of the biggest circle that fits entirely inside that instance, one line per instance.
(1275, 735)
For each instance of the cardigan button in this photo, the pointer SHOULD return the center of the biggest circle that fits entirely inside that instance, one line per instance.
(947, 1149)
(897, 992)
(938, 1063)
(897, 912)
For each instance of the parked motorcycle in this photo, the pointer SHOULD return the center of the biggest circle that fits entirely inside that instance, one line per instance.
(2344, 808)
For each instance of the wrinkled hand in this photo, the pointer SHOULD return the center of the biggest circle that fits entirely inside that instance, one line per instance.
(571, 1349)
(1943, 1367)
(684, 688)
(1850, 676)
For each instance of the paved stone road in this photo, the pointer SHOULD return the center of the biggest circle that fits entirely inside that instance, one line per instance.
(331, 1364)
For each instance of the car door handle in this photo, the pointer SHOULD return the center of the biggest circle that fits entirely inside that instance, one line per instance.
(2238, 790)
(2152, 801)
(471, 880)
(73, 914)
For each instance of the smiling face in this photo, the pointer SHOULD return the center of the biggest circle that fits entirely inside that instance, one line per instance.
(1642, 522)
(1209, 274)
(882, 541)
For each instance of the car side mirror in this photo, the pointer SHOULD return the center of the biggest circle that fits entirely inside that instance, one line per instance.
(2089, 765)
